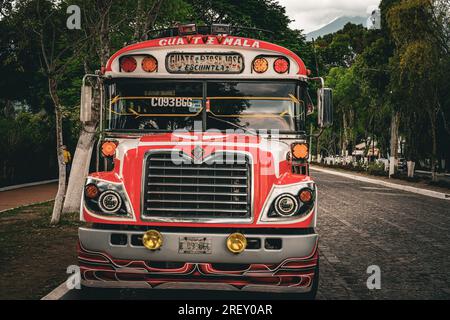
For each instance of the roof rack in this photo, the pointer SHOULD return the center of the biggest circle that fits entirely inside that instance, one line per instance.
(209, 29)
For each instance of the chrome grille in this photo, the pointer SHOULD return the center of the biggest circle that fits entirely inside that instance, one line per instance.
(211, 189)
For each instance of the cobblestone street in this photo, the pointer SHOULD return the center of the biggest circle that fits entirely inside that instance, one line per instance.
(361, 224)
(405, 234)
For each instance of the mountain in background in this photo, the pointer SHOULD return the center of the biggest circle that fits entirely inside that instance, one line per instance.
(335, 26)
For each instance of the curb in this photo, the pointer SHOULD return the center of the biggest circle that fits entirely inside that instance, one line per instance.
(57, 293)
(31, 184)
(424, 192)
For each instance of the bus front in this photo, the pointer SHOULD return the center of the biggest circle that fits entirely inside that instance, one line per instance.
(203, 179)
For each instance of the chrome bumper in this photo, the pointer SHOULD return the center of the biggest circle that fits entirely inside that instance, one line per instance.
(293, 246)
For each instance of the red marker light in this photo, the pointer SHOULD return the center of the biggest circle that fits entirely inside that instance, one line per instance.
(91, 191)
(128, 64)
(281, 65)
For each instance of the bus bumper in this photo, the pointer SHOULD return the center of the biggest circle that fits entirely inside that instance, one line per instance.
(290, 268)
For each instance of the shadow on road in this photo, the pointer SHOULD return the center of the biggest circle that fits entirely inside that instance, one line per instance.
(142, 294)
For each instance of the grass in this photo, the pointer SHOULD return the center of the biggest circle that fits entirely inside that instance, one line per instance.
(34, 255)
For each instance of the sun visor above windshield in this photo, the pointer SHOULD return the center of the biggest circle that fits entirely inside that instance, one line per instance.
(205, 56)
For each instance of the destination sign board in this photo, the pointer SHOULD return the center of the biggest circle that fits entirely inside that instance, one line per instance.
(204, 63)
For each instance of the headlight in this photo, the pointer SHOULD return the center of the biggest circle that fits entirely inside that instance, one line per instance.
(110, 201)
(286, 205)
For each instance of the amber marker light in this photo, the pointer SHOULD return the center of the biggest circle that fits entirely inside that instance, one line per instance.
(91, 191)
(152, 240)
(300, 151)
(149, 64)
(260, 65)
(109, 148)
(236, 243)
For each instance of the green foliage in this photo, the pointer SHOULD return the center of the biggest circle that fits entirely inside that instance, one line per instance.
(25, 148)
(28, 24)
(401, 68)
(376, 169)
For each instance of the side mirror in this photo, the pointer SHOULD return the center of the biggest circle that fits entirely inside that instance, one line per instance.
(86, 104)
(325, 107)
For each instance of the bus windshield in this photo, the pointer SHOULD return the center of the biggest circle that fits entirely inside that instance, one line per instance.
(138, 104)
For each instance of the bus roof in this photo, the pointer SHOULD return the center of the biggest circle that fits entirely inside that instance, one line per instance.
(200, 47)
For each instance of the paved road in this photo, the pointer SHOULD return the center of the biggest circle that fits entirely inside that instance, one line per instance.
(361, 224)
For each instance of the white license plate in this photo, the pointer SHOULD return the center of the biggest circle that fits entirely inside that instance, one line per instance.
(194, 245)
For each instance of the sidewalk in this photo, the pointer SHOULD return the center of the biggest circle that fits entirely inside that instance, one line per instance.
(24, 196)
(419, 187)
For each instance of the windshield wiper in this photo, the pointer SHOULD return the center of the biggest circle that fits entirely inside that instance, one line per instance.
(234, 124)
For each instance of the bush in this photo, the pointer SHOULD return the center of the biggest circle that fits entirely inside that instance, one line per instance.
(376, 169)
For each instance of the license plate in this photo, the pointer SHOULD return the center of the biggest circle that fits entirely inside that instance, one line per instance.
(194, 245)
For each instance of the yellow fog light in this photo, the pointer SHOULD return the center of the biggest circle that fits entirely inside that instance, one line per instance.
(152, 240)
(236, 242)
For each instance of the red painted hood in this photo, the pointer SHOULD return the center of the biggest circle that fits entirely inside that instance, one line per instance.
(268, 159)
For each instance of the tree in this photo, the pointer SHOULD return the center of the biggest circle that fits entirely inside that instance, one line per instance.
(421, 59)
(97, 29)
(108, 27)
(57, 47)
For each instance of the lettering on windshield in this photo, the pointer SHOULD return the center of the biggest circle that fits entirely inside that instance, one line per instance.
(171, 102)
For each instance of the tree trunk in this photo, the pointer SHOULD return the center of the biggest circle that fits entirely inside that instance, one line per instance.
(151, 18)
(83, 153)
(80, 168)
(345, 138)
(394, 143)
(434, 177)
(318, 150)
(59, 199)
(411, 166)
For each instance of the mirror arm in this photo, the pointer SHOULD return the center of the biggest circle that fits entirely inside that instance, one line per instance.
(320, 79)
(83, 82)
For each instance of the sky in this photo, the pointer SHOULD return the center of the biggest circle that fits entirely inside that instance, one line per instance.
(311, 15)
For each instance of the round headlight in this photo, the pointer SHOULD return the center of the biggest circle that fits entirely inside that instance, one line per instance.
(286, 205)
(110, 201)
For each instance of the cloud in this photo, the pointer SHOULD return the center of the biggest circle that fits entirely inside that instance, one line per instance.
(310, 15)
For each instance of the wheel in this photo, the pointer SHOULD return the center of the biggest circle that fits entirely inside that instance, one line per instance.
(315, 285)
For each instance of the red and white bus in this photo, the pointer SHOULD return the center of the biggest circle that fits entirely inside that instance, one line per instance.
(203, 181)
